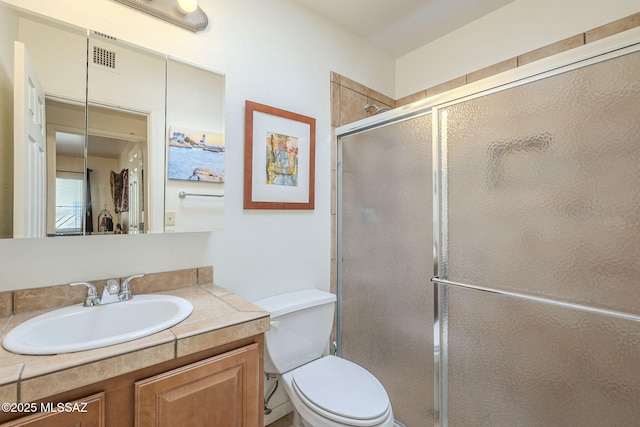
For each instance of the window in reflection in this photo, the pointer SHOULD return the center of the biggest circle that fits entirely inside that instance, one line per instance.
(69, 193)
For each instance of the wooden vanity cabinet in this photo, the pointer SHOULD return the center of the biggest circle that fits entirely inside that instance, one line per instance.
(219, 391)
(86, 412)
(222, 386)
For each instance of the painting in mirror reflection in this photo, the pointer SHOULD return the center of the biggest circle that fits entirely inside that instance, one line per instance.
(195, 155)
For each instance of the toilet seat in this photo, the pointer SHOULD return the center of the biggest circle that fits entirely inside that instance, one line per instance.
(341, 391)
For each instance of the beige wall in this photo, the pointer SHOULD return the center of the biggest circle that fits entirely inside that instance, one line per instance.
(527, 57)
(519, 27)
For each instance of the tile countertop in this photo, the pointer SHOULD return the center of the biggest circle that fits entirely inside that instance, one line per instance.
(219, 317)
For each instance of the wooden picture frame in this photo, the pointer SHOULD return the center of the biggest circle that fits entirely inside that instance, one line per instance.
(279, 158)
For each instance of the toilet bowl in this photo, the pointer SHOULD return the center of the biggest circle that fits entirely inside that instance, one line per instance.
(325, 391)
(335, 392)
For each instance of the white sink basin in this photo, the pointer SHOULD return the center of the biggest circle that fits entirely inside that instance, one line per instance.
(77, 328)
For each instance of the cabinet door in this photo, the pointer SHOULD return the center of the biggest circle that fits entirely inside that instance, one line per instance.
(219, 391)
(86, 412)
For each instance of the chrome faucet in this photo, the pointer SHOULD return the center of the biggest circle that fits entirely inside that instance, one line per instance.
(111, 293)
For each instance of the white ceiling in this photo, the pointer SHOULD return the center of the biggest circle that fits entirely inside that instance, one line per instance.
(400, 26)
(72, 145)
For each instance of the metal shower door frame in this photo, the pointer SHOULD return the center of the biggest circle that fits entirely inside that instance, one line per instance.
(611, 47)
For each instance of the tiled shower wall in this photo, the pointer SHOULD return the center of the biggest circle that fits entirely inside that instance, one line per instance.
(349, 97)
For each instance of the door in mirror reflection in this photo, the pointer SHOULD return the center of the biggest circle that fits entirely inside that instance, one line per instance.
(29, 210)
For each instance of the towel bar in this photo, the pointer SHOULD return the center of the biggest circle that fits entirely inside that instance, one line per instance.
(548, 301)
(183, 195)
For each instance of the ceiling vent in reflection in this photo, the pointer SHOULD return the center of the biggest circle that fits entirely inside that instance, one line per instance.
(106, 36)
(104, 57)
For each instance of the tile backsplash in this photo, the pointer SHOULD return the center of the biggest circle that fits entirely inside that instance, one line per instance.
(55, 296)
(6, 304)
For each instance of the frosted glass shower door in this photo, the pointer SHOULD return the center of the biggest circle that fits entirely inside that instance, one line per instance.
(544, 200)
(385, 318)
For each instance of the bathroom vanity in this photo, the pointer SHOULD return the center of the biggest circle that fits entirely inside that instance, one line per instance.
(206, 370)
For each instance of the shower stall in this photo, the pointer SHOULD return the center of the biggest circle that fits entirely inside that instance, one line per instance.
(489, 246)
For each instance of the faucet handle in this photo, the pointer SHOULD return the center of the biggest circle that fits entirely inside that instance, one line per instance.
(125, 289)
(92, 298)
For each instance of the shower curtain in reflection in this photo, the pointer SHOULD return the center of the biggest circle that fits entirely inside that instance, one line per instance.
(540, 196)
(385, 255)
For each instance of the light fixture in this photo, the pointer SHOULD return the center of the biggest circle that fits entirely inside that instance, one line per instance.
(184, 13)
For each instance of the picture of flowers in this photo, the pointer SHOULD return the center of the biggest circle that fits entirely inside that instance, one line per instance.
(282, 159)
(196, 155)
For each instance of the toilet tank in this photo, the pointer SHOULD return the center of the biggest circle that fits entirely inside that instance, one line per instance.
(300, 328)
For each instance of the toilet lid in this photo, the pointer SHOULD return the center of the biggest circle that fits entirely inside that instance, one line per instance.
(339, 389)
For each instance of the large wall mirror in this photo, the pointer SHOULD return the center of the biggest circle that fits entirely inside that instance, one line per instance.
(89, 127)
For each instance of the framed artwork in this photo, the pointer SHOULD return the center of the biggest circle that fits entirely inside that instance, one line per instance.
(279, 158)
(195, 155)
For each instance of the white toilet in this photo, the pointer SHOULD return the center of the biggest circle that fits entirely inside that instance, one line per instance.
(325, 391)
